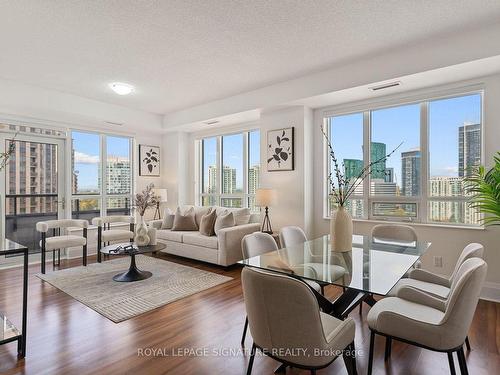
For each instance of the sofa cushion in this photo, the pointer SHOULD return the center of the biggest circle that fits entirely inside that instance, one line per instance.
(169, 235)
(207, 223)
(224, 220)
(241, 215)
(198, 239)
(184, 221)
(168, 219)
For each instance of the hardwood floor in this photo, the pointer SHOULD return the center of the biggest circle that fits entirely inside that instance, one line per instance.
(66, 337)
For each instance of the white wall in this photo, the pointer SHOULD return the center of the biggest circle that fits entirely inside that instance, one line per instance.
(446, 242)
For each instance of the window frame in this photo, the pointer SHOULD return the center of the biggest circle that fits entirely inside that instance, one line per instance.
(423, 199)
(103, 194)
(219, 195)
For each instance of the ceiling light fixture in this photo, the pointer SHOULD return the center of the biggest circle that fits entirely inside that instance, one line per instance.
(121, 88)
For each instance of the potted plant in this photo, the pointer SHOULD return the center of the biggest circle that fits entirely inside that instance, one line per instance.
(341, 189)
(484, 187)
(142, 202)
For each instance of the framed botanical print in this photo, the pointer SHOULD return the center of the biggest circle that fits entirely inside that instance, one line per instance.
(280, 153)
(149, 160)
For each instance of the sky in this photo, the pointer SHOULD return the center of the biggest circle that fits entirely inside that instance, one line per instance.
(402, 124)
(232, 153)
(87, 150)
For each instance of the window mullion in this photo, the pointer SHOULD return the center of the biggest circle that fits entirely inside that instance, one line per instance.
(245, 170)
(104, 187)
(366, 161)
(424, 160)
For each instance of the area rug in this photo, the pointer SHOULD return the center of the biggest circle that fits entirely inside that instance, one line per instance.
(118, 301)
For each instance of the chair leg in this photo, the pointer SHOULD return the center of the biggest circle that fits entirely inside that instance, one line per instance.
(467, 343)
(54, 259)
(43, 257)
(370, 356)
(452, 364)
(58, 257)
(244, 332)
(252, 357)
(388, 347)
(462, 362)
(349, 356)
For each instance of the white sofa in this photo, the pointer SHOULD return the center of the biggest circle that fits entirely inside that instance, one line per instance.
(223, 249)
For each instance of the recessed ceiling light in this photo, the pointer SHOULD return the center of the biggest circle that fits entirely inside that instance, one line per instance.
(121, 88)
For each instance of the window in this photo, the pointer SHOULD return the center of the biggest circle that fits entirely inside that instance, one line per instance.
(423, 180)
(229, 169)
(102, 175)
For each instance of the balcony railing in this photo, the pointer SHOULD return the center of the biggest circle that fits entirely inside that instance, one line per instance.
(20, 226)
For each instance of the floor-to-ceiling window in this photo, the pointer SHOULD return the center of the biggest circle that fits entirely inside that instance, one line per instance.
(229, 169)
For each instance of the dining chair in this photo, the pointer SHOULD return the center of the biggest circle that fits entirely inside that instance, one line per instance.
(438, 285)
(105, 234)
(417, 318)
(259, 243)
(397, 232)
(288, 326)
(293, 235)
(58, 241)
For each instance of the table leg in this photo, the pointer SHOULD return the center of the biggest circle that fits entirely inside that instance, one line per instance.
(21, 347)
(133, 273)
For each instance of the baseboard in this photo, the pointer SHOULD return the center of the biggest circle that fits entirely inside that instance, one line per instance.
(491, 292)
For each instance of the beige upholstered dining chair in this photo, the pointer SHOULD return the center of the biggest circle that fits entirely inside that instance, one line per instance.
(420, 319)
(58, 241)
(293, 235)
(256, 244)
(287, 324)
(396, 232)
(105, 234)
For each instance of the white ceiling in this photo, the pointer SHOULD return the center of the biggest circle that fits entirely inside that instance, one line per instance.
(183, 53)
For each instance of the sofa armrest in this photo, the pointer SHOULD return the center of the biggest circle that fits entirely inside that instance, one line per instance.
(429, 277)
(230, 242)
(155, 223)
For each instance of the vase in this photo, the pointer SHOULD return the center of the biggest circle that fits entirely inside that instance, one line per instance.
(141, 237)
(341, 230)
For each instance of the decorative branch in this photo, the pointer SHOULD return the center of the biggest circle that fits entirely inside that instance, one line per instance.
(341, 187)
(145, 199)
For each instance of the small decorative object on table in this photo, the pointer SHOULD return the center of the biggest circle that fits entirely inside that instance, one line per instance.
(342, 186)
(142, 202)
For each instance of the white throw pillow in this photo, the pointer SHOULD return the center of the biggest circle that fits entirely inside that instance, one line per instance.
(224, 220)
(168, 219)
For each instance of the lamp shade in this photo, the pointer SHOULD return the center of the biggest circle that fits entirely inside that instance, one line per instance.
(265, 197)
(161, 194)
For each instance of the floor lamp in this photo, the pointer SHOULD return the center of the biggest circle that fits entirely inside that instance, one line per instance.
(265, 198)
(161, 194)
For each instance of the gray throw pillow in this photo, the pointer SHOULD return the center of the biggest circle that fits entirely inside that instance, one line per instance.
(207, 223)
(224, 220)
(168, 219)
(184, 221)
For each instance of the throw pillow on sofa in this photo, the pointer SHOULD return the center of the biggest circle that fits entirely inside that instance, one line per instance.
(224, 220)
(207, 223)
(184, 221)
(168, 219)
(241, 215)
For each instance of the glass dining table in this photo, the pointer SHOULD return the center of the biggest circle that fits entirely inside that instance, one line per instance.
(372, 267)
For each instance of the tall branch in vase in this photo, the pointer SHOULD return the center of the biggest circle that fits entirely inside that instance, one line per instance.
(341, 187)
(145, 200)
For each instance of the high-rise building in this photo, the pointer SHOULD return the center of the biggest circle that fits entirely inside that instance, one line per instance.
(352, 168)
(212, 180)
(118, 175)
(378, 152)
(253, 179)
(469, 148)
(32, 169)
(228, 180)
(410, 172)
